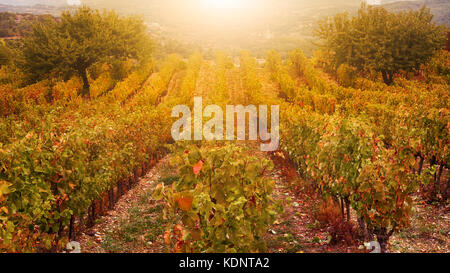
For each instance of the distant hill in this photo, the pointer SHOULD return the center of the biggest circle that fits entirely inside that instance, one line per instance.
(35, 9)
(16, 25)
(34, 2)
(439, 8)
(274, 24)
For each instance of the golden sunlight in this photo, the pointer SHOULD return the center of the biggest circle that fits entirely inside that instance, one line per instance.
(227, 6)
(222, 4)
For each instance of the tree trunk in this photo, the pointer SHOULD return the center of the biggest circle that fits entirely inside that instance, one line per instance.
(111, 198)
(101, 209)
(347, 208)
(91, 215)
(421, 165)
(119, 188)
(363, 228)
(71, 229)
(387, 77)
(434, 188)
(438, 178)
(383, 239)
(86, 87)
(391, 78)
(447, 188)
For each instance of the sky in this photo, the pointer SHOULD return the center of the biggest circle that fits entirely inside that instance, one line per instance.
(221, 3)
(213, 2)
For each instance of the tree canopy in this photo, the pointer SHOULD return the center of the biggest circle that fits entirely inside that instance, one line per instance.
(379, 40)
(4, 54)
(73, 43)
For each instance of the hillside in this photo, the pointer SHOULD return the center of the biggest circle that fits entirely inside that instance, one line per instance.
(34, 2)
(256, 29)
(16, 25)
(115, 137)
(439, 8)
(125, 209)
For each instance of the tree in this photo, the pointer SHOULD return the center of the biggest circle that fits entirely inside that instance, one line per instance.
(4, 54)
(73, 43)
(382, 41)
(447, 44)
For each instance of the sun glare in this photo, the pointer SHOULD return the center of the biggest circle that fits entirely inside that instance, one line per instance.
(229, 6)
(223, 4)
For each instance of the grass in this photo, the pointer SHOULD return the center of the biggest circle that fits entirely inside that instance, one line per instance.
(169, 180)
(141, 228)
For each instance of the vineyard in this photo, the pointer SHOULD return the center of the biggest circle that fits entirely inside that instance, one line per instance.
(370, 151)
(88, 153)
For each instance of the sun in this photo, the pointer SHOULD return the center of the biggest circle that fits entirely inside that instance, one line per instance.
(223, 4)
(74, 2)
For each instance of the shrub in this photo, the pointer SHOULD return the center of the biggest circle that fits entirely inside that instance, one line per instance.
(346, 75)
(223, 201)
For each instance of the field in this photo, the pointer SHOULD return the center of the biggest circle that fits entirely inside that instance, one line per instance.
(116, 138)
(353, 162)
